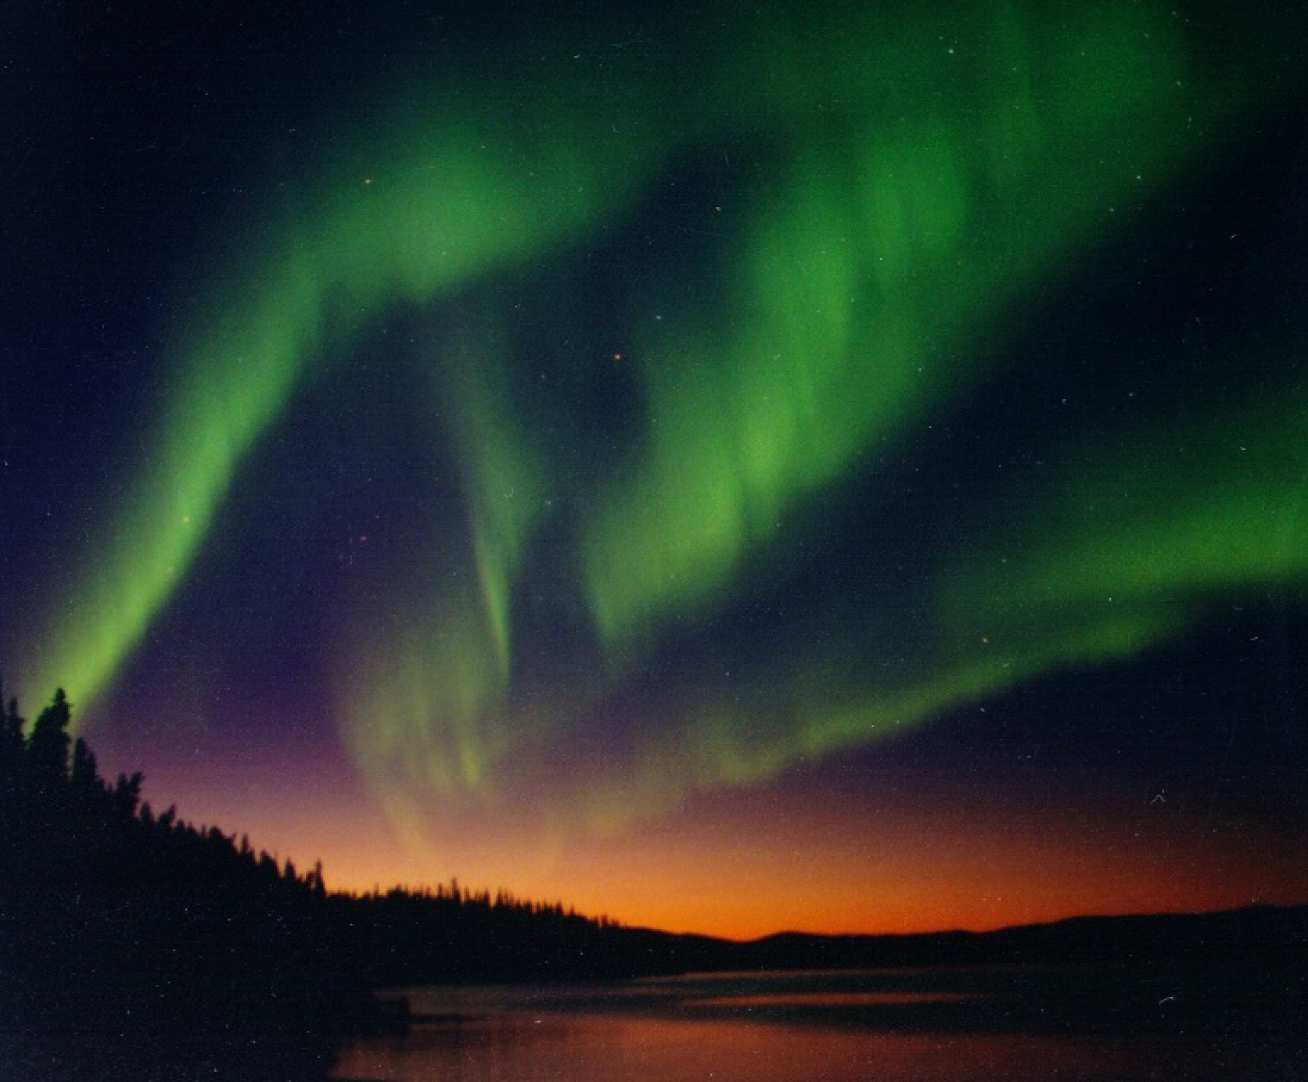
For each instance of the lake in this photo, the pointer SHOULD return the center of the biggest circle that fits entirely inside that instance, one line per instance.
(886, 1025)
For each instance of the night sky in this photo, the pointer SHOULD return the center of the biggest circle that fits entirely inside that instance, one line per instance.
(730, 469)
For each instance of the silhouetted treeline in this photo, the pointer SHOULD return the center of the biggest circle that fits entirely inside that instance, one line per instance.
(104, 900)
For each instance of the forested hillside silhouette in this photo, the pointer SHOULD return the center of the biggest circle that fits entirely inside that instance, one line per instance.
(105, 901)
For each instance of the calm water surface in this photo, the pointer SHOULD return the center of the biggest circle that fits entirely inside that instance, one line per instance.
(884, 1025)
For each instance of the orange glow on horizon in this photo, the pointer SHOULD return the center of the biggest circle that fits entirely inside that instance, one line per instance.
(703, 871)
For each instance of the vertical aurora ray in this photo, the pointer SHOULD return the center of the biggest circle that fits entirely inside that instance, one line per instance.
(503, 477)
(428, 656)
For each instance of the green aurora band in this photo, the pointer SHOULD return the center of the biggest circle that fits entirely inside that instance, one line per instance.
(927, 174)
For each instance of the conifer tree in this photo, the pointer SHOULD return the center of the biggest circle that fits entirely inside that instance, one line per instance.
(11, 737)
(47, 747)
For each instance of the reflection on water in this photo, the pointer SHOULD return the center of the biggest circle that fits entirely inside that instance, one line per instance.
(828, 999)
(838, 1027)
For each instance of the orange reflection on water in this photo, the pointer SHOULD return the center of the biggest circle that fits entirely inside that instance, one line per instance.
(833, 999)
(883, 1025)
(599, 1048)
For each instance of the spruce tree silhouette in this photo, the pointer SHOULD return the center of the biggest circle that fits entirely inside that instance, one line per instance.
(11, 737)
(84, 766)
(13, 788)
(47, 751)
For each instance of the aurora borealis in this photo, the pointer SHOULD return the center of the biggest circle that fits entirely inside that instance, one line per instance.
(612, 456)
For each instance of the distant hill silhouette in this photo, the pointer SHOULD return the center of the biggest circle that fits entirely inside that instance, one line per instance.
(1244, 933)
